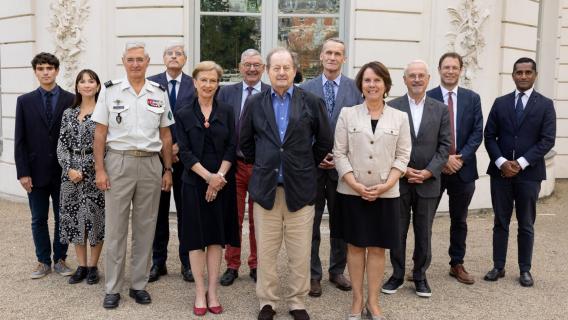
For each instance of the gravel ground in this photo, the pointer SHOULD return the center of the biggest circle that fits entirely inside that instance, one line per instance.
(52, 298)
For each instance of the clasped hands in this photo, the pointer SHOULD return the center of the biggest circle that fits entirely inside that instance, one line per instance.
(454, 164)
(370, 193)
(510, 168)
(216, 182)
(74, 175)
(327, 162)
(417, 176)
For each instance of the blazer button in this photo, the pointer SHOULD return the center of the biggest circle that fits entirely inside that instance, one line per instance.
(372, 142)
(369, 172)
(370, 157)
(276, 169)
(281, 149)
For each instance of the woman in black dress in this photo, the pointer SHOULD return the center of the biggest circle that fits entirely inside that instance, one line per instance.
(82, 205)
(206, 139)
(371, 152)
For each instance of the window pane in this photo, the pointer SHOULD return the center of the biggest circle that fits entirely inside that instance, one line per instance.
(223, 39)
(308, 6)
(231, 5)
(305, 36)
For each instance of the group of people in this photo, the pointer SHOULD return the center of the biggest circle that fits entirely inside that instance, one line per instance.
(111, 153)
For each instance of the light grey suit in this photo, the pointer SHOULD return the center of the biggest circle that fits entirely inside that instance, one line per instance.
(347, 95)
(430, 150)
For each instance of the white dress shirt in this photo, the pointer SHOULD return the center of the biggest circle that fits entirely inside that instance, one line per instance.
(178, 82)
(416, 110)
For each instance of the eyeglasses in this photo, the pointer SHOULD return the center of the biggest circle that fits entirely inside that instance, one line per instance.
(419, 76)
(252, 65)
(170, 53)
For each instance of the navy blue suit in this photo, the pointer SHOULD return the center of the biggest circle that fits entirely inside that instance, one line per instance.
(531, 137)
(185, 94)
(35, 146)
(461, 185)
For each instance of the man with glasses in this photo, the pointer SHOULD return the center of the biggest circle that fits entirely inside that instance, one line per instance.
(132, 115)
(180, 92)
(251, 69)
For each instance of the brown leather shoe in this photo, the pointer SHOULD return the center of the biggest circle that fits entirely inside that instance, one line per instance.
(315, 288)
(340, 281)
(458, 272)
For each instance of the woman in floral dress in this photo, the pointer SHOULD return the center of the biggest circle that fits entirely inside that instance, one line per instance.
(82, 204)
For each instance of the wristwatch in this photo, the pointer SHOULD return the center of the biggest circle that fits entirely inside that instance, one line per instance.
(167, 169)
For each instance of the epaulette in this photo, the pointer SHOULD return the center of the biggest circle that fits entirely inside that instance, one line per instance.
(155, 84)
(110, 83)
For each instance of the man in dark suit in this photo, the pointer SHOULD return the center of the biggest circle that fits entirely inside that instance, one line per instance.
(251, 68)
(420, 187)
(285, 133)
(460, 171)
(38, 121)
(520, 131)
(180, 92)
(338, 91)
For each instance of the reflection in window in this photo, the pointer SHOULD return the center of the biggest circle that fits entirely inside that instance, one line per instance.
(252, 6)
(308, 6)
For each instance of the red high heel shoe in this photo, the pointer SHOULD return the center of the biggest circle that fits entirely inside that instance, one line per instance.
(199, 311)
(215, 309)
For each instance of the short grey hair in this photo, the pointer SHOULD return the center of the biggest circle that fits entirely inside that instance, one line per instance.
(417, 61)
(292, 54)
(135, 45)
(336, 40)
(251, 53)
(175, 44)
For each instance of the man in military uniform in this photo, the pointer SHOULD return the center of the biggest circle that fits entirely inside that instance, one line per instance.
(133, 115)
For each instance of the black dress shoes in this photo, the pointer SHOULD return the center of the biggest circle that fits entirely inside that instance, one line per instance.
(156, 272)
(266, 313)
(79, 275)
(526, 279)
(494, 274)
(300, 314)
(111, 300)
(229, 277)
(252, 274)
(140, 296)
(315, 288)
(92, 275)
(186, 274)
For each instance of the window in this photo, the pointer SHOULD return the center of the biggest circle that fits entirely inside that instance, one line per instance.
(226, 28)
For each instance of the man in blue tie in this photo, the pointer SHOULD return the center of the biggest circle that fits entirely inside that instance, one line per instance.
(520, 131)
(180, 93)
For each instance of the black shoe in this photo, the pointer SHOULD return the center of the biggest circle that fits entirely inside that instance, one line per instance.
(186, 274)
(79, 275)
(229, 277)
(92, 275)
(111, 300)
(526, 279)
(392, 285)
(300, 314)
(252, 274)
(156, 272)
(266, 313)
(140, 296)
(422, 288)
(494, 274)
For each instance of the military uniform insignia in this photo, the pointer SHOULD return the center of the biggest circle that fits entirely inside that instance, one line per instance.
(170, 116)
(118, 118)
(109, 83)
(155, 103)
(117, 105)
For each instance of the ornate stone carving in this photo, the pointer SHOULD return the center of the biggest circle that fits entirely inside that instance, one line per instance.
(466, 37)
(67, 22)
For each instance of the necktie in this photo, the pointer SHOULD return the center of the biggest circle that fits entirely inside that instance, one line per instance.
(48, 108)
(452, 124)
(238, 128)
(519, 107)
(329, 96)
(249, 93)
(172, 96)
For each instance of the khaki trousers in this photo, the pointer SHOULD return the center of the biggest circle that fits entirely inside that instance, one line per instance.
(295, 228)
(135, 180)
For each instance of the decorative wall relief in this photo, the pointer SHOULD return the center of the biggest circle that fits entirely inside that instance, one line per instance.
(67, 23)
(466, 37)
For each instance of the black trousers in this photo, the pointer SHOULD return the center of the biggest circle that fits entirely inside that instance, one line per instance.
(338, 249)
(162, 235)
(507, 193)
(460, 194)
(423, 211)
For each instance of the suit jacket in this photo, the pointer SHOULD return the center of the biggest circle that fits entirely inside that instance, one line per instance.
(469, 129)
(35, 143)
(431, 147)
(185, 94)
(233, 96)
(371, 155)
(532, 138)
(306, 142)
(191, 135)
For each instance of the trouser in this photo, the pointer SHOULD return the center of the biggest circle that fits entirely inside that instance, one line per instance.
(233, 254)
(423, 211)
(460, 194)
(338, 250)
(523, 195)
(295, 229)
(162, 236)
(39, 206)
(136, 181)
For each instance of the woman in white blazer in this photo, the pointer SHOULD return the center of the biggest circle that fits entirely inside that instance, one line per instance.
(371, 152)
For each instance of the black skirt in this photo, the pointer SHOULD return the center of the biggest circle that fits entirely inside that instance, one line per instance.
(365, 223)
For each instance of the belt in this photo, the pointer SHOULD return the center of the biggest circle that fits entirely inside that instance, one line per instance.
(82, 152)
(133, 153)
(241, 159)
